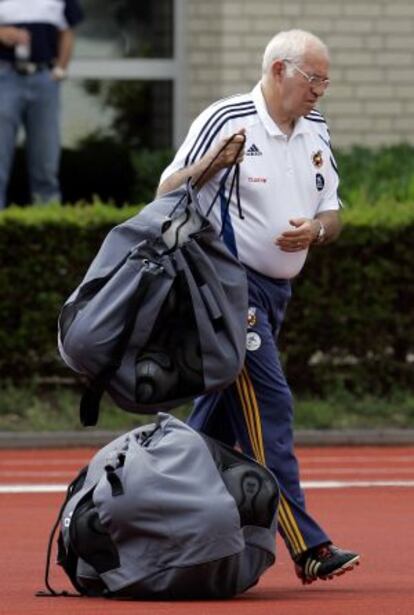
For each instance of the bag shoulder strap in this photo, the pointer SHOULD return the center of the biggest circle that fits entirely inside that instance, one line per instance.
(91, 398)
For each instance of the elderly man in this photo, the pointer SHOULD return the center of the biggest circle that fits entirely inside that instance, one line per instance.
(288, 190)
(36, 40)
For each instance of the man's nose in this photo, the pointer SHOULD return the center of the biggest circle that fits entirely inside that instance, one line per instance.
(318, 90)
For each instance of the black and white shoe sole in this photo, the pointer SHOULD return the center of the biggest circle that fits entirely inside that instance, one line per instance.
(347, 567)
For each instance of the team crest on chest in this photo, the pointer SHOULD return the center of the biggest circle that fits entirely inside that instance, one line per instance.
(317, 159)
(251, 316)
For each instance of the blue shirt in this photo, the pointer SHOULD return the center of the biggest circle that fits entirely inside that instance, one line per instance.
(44, 19)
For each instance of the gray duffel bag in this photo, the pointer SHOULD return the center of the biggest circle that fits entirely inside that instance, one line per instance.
(160, 316)
(164, 512)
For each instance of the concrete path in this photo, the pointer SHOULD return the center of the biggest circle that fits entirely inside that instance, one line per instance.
(305, 437)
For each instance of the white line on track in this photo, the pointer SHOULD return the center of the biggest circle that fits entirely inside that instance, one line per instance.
(317, 484)
(32, 488)
(394, 457)
(39, 474)
(336, 484)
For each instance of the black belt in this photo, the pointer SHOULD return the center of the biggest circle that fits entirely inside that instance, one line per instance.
(30, 68)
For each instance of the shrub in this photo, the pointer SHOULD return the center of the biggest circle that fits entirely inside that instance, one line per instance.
(372, 175)
(350, 322)
(44, 251)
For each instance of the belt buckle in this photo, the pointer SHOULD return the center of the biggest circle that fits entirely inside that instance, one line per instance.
(26, 68)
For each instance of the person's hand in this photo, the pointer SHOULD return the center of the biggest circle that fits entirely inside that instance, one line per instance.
(227, 152)
(11, 36)
(231, 154)
(58, 73)
(300, 238)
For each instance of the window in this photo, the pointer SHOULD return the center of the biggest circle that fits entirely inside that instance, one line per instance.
(134, 113)
(126, 74)
(126, 29)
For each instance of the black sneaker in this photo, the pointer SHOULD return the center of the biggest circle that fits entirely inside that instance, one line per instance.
(324, 562)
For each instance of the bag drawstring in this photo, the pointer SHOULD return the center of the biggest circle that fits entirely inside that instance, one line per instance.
(235, 185)
(222, 181)
(238, 198)
(51, 593)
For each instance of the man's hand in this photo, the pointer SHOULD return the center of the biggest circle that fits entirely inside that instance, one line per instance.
(231, 153)
(305, 232)
(227, 152)
(11, 36)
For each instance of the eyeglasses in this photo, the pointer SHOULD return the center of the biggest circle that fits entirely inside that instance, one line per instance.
(313, 80)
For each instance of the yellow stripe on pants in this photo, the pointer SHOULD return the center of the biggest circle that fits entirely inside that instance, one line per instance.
(251, 414)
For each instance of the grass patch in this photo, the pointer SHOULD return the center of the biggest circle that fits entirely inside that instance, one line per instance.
(34, 407)
(346, 411)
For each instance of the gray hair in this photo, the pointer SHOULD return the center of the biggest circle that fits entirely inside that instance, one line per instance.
(291, 45)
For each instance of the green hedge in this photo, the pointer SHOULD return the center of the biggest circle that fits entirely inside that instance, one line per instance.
(44, 251)
(113, 171)
(350, 322)
(371, 175)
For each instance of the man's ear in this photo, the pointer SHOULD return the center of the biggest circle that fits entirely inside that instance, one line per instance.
(278, 69)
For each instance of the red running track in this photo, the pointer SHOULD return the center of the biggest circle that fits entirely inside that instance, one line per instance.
(376, 519)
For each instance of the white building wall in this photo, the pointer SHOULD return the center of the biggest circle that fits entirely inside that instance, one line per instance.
(371, 100)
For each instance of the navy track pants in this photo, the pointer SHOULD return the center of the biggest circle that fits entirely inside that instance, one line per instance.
(257, 411)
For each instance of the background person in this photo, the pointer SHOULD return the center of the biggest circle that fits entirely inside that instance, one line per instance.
(36, 41)
(288, 189)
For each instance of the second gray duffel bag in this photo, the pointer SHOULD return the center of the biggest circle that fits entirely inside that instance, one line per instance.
(164, 512)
